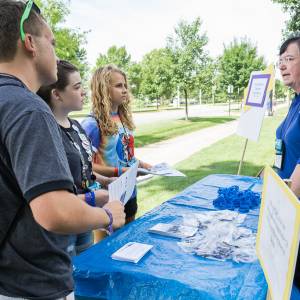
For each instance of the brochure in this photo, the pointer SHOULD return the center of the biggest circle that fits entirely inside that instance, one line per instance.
(123, 187)
(162, 169)
(173, 230)
(131, 252)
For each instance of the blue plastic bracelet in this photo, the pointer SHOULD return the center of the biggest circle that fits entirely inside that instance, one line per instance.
(110, 228)
(90, 199)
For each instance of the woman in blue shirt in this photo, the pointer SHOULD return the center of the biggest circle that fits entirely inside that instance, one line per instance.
(288, 133)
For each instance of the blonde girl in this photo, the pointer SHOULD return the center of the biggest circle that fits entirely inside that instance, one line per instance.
(110, 127)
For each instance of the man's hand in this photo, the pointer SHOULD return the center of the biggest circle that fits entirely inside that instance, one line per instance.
(117, 210)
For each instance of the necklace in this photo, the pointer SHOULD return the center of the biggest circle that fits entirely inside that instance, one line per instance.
(87, 147)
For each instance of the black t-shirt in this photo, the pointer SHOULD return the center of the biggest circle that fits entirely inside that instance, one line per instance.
(70, 136)
(34, 263)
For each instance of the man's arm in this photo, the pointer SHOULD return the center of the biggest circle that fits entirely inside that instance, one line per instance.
(295, 186)
(64, 213)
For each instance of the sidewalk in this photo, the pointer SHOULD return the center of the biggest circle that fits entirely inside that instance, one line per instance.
(177, 149)
(180, 148)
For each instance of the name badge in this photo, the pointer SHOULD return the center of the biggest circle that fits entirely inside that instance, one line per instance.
(278, 153)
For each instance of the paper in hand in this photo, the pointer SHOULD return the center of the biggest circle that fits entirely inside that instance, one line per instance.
(162, 169)
(123, 187)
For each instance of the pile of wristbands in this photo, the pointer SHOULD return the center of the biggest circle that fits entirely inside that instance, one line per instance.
(233, 199)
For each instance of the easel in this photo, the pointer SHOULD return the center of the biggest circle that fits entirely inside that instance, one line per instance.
(242, 159)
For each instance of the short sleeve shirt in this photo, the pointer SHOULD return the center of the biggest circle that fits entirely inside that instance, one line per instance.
(116, 150)
(289, 132)
(74, 137)
(34, 263)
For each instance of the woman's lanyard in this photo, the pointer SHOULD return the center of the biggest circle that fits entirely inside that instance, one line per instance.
(127, 142)
(87, 147)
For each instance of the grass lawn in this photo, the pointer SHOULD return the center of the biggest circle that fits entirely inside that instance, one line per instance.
(221, 158)
(152, 133)
(87, 109)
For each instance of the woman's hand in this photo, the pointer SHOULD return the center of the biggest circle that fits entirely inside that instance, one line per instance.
(107, 180)
(101, 197)
(144, 165)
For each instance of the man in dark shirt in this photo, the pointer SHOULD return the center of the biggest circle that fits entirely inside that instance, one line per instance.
(37, 208)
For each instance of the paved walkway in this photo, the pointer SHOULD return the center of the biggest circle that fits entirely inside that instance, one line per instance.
(177, 149)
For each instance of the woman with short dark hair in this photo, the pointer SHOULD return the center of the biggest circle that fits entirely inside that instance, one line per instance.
(64, 96)
(288, 133)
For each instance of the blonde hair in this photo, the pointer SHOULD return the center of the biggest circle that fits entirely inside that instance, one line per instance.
(101, 101)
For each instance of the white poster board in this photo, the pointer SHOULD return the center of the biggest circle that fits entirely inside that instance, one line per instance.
(255, 105)
(278, 235)
(123, 187)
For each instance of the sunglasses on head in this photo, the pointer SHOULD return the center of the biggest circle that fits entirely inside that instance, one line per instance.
(30, 5)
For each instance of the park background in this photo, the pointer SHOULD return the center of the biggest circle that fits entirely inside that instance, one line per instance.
(185, 66)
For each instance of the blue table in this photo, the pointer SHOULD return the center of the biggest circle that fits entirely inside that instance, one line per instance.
(166, 272)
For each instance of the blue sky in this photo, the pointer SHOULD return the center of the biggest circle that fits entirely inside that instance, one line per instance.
(143, 25)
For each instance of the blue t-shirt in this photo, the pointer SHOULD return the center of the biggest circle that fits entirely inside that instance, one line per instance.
(289, 132)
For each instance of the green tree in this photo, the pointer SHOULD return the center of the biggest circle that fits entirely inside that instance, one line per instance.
(117, 56)
(237, 62)
(70, 43)
(207, 79)
(293, 8)
(187, 47)
(135, 77)
(280, 90)
(157, 75)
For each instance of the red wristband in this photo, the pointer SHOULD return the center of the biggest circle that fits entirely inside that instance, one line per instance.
(115, 172)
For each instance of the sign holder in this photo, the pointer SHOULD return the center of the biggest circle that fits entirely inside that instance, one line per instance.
(259, 89)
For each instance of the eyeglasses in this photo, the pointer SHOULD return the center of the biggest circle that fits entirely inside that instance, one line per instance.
(285, 61)
(30, 5)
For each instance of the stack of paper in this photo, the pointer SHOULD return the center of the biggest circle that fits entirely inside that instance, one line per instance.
(162, 169)
(131, 252)
(178, 231)
(123, 187)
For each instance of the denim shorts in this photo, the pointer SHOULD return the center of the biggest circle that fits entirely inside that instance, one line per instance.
(80, 242)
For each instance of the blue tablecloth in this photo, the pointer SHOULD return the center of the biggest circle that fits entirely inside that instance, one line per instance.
(166, 272)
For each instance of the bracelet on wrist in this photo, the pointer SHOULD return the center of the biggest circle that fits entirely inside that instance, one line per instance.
(90, 199)
(111, 220)
(116, 172)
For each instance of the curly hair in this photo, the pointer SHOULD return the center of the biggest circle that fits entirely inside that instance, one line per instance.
(101, 101)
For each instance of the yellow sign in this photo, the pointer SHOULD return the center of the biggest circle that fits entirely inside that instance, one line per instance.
(269, 70)
(278, 235)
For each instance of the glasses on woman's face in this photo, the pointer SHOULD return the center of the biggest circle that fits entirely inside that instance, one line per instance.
(29, 6)
(287, 60)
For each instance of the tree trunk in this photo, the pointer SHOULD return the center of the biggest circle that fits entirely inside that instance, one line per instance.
(186, 105)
